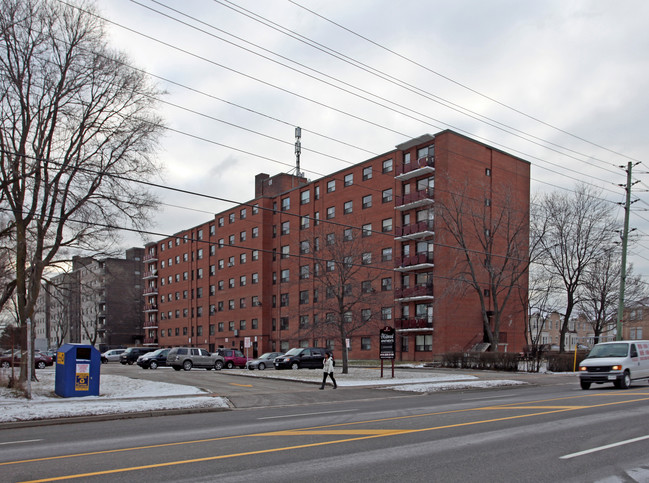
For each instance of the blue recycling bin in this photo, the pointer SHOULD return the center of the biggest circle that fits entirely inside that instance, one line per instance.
(77, 370)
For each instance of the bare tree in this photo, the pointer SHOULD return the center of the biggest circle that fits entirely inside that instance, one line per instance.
(347, 281)
(580, 228)
(77, 128)
(600, 292)
(492, 238)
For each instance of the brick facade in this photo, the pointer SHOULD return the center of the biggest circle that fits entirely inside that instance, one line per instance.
(259, 269)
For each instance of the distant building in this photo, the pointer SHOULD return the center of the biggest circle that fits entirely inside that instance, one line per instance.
(257, 272)
(98, 302)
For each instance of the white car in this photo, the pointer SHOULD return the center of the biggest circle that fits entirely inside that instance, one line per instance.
(111, 355)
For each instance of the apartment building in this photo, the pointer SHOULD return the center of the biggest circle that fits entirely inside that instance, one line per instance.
(98, 302)
(361, 248)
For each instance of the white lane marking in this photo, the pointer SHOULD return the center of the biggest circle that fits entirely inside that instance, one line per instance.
(602, 448)
(309, 414)
(20, 442)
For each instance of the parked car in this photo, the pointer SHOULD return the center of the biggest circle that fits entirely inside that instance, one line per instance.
(232, 358)
(40, 360)
(130, 355)
(151, 360)
(188, 357)
(301, 357)
(263, 361)
(111, 355)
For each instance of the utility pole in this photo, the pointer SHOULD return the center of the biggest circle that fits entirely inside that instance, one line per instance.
(625, 236)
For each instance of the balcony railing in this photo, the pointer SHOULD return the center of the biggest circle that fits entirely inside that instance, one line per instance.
(426, 164)
(150, 307)
(413, 260)
(411, 292)
(416, 323)
(148, 257)
(421, 227)
(150, 341)
(424, 196)
(150, 291)
(150, 274)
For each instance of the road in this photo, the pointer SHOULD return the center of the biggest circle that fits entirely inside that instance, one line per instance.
(530, 433)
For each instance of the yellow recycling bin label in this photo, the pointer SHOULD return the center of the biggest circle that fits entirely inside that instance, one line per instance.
(82, 379)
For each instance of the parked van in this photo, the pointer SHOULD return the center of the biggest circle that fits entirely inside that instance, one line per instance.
(617, 362)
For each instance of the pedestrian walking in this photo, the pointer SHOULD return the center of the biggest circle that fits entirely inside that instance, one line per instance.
(328, 369)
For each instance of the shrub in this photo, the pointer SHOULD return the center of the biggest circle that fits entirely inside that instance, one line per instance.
(497, 361)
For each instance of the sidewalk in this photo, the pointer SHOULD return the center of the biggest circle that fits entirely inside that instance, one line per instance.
(122, 396)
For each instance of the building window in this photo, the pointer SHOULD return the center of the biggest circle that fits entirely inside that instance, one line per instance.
(304, 247)
(304, 272)
(366, 286)
(255, 278)
(487, 172)
(386, 254)
(387, 195)
(367, 229)
(242, 213)
(285, 251)
(386, 284)
(331, 238)
(367, 173)
(405, 346)
(331, 212)
(386, 225)
(255, 255)
(348, 207)
(331, 186)
(242, 281)
(231, 218)
(286, 228)
(366, 258)
(305, 197)
(304, 321)
(254, 323)
(347, 234)
(283, 300)
(367, 201)
(349, 179)
(286, 204)
(283, 323)
(387, 166)
(366, 315)
(424, 343)
(366, 343)
(284, 275)
(255, 232)
(386, 313)
(242, 258)
(331, 265)
(242, 236)
(304, 297)
(304, 222)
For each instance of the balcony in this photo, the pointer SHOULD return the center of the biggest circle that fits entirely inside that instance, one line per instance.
(150, 274)
(416, 324)
(419, 292)
(151, 324)
(421, 229)
(149, 257)
(422, 166)
(414, 262)
(414, 200)
(150, 341)
(150, 291)
(150, 307)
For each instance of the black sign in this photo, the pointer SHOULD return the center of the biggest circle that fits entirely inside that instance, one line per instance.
(387, 342)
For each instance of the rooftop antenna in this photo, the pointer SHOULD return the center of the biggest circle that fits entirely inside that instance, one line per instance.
(298, 150)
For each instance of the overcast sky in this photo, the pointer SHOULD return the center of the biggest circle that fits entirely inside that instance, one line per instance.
(562, 84)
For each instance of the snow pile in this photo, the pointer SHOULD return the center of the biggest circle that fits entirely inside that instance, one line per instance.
(118, 395)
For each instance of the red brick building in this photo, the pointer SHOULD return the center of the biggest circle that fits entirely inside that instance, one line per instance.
(273, 269)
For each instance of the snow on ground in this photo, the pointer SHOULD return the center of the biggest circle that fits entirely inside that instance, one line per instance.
(117, 394)
(120, 394)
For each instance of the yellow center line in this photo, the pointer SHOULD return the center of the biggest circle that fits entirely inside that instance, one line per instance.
(320, 430)
(240, 385)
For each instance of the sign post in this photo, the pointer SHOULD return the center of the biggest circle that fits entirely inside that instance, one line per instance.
(387, 343)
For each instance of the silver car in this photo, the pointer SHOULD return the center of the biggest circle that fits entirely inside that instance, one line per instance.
(264, 361)
(111, 355)
(187, 357)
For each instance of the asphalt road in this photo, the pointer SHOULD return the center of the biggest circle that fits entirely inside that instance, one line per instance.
(526, 433)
